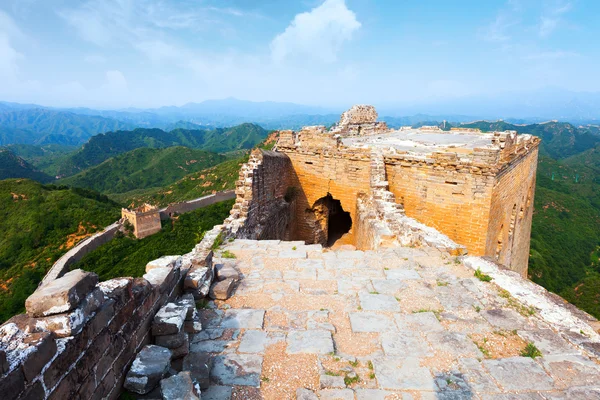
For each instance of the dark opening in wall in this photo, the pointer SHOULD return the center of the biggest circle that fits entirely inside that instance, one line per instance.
(332, 220)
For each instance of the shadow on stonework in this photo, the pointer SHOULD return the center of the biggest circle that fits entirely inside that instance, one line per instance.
(452, 386)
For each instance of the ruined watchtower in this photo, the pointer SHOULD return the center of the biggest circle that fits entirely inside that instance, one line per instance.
(145, 220)
(362, 183)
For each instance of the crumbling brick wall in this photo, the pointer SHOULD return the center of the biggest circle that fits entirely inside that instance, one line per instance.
(85, 353)
(263, 208)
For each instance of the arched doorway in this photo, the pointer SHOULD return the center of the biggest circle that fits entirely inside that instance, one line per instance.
(332, 222)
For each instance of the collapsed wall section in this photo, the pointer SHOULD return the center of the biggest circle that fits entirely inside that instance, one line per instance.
(79, 337)
(264, 207)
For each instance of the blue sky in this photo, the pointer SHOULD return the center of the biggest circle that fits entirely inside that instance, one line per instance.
(147, 53)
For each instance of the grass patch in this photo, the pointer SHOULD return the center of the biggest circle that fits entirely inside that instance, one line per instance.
(442, 283)
(531, 351)
(372, 375)
(202, 304)
(264, 379)
(218, 241)
(351, 380)
(370, 365)
(227, 254)
(374, 292)
(331, 373)
(481, 276)
(515, 304)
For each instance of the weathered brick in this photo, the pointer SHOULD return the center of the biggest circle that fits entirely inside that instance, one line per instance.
(12, 384)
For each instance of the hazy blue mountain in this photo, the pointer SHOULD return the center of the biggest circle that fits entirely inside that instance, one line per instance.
(44, 126)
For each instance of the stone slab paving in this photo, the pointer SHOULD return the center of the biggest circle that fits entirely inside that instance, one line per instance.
(403, 323)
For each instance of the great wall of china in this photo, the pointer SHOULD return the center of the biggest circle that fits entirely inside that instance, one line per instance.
(423, 294)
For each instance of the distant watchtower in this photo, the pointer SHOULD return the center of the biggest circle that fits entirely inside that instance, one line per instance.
(145, 220)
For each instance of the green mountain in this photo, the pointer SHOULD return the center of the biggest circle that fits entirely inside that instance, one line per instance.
(43, 126)
(559, 139)
(46, 158)
(566, 229)
(13, 166)
(143, 168)
(102, 147)
(38, 224)
(214, 179)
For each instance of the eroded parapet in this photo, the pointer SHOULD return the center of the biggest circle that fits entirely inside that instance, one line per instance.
(79, 337)
(262, 207)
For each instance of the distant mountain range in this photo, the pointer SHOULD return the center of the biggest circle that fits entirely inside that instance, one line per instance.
(35, 124)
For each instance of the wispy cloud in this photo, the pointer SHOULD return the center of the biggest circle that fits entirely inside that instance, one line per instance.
(317, 34)
(105, 22)
(507, 18)
(553, 17)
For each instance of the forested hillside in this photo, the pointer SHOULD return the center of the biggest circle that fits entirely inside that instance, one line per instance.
(13, 166)
(143, 168)
(126, 256)
(214, 179)
(37, 225)
(45, 158)
(102, 147)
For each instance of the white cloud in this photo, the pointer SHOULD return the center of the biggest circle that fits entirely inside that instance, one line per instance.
(318, 34)
(552, 17)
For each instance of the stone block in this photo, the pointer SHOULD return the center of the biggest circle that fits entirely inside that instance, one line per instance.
(305, 394)
(222, 290)
(3, 363)
(33, 392)
(243, 318)
(330, 381)
(179, 387)
(61, 295)
(192, 327)
(70, 324)
(148, 368)
(161, 277)
(12, 384)
(118, 289)
(182, 350)
(312, 341)
(171, 341)
(41, 348)
(199, 365)
(187, 300)
(226, 272)
(197, 276)
(519, 373)
(237, 369)
(165, 262)
(169, 320)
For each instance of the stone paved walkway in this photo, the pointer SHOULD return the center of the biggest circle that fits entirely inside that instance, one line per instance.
(400, 323)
